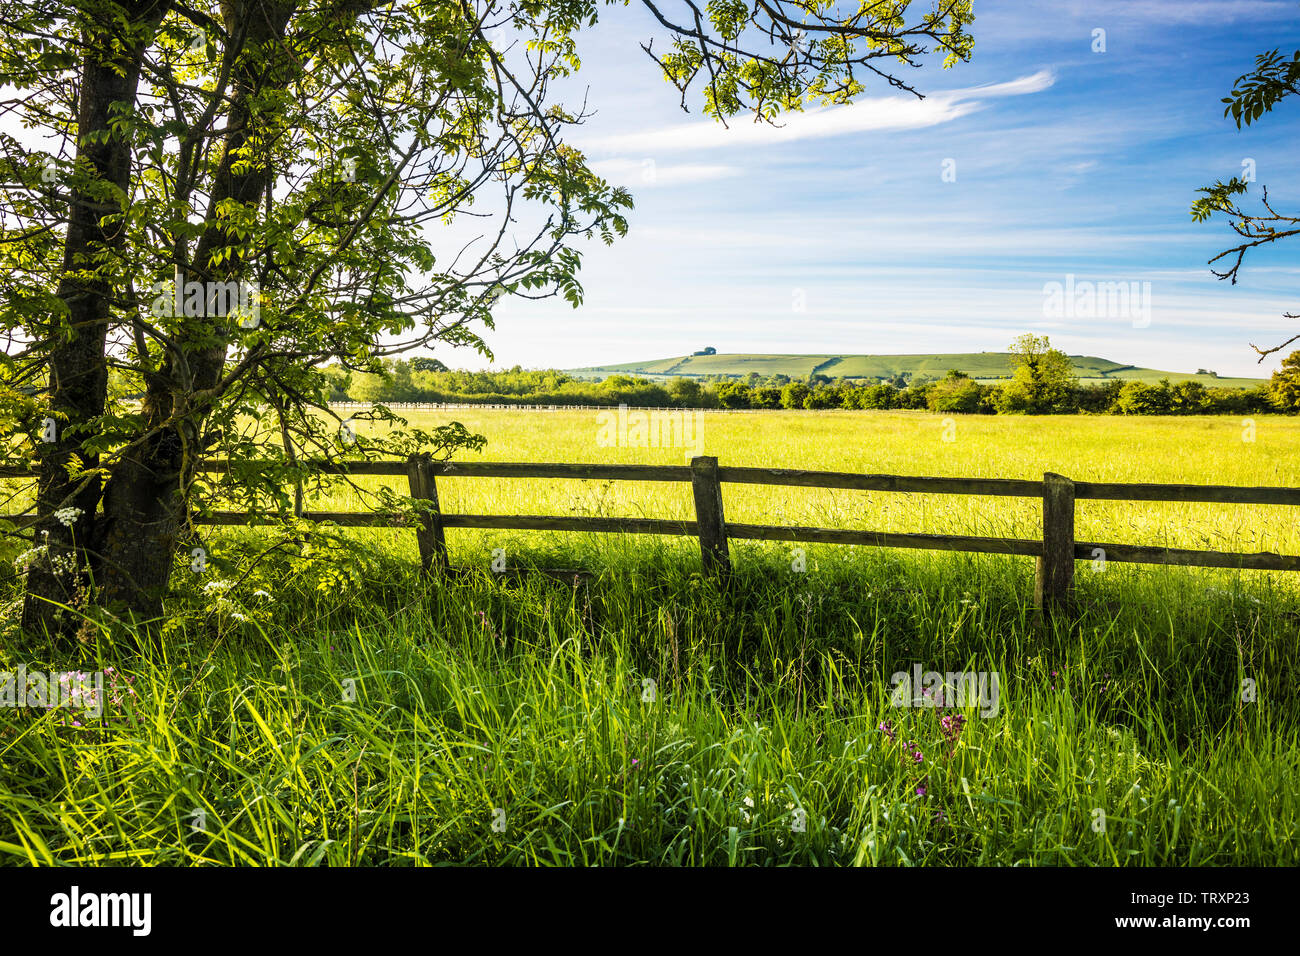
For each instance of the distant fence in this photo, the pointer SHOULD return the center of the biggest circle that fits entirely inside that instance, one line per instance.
(1056, 551)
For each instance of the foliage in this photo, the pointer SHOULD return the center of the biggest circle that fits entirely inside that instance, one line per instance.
(956, 393)
(386, 724)
(1043, 381)
(959, 393)
(1284, 387)
(1275, 77)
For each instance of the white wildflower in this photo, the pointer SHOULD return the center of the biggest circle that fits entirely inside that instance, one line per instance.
(29, 557)
(68, 516)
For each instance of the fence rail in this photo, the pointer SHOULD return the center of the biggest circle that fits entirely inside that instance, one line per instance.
(1056, 551)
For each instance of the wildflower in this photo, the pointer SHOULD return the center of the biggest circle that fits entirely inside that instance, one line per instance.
(952, 725)
(886, 729)
(920, 791)
(68, 516)
(28, 557)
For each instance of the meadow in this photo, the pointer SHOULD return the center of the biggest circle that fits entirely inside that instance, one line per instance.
(313, 700)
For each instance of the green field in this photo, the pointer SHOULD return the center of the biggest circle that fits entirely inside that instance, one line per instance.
(984, 367)
(1183, 449)
(363, 715)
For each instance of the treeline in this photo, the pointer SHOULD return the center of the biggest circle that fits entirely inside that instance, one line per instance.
(406, 382)
(961, 394)
(957, 392)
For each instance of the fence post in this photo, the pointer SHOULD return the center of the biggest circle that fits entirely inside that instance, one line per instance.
(708, 515)
(429, 534)
(1054, 587)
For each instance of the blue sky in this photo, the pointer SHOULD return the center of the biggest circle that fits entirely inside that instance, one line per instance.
(839, 233)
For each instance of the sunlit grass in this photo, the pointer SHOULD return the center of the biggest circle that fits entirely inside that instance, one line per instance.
(1208, 450)
(529, 695)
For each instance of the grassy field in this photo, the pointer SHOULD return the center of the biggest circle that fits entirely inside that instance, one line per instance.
(981, 366)
(644, 715)
(1205, 450)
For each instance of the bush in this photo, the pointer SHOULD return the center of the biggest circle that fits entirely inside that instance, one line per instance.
(1284, 386)
(821, 397)
(1139, 398)
(957, 393)
(1098, 399)
(732, 394)
(685, 392)
(792, 395)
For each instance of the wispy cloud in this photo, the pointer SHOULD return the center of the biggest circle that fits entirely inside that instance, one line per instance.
(868, 115)
(647, 174)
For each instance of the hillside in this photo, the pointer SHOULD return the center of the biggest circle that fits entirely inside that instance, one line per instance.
(983, 366)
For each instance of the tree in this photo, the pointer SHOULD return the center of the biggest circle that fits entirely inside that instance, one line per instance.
(878, 396)
(1098, 398)
(957, 392)
(822, 396)
(1284, 386)
(685, 392)
(1043, 380)
(238, 193)
(732, 394)
(793, 395)
(1139, 398)
(423, 364)
(1188, 397)
(1274, 79)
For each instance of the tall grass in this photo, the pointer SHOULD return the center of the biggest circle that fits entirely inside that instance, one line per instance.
(363, 715)
(768, 698)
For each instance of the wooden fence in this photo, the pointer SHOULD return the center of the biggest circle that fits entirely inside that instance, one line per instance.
(1056, 551)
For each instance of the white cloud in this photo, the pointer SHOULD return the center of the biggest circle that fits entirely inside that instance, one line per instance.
(865, 115)
(647, 174)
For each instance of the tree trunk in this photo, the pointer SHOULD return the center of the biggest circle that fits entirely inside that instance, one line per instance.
(78, 369)
(145, 500)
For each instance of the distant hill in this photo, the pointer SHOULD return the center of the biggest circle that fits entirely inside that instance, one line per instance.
(982, 366)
